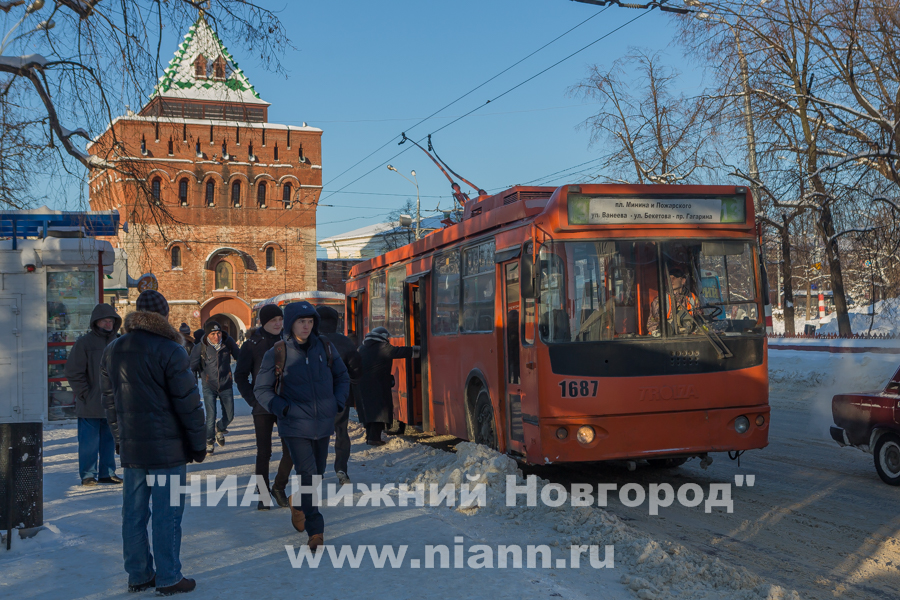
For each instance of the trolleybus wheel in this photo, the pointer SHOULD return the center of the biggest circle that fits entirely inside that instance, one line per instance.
(485, 432)
(666, 463)
(887, 458)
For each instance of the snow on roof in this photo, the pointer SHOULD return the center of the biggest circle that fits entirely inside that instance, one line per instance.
(181, 80)
(381, 229)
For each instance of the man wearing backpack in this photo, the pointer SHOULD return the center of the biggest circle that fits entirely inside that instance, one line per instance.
(304, 383)
(212, 359)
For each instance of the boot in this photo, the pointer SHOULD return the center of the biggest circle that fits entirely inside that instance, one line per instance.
(143, 586)
(185, 585)
(110, 479)
(210, 448)
(261, 506)
(376, 443)
(298, 519)
(343, 479)
(315, 541)
(90, 481)
(220, 439)
(280, 498)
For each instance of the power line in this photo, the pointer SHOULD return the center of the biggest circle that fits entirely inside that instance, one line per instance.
(468, 93)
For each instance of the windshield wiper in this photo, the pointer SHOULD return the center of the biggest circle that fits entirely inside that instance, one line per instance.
(721, 349)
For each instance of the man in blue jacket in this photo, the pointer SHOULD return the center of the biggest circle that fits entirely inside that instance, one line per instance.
(304, 383)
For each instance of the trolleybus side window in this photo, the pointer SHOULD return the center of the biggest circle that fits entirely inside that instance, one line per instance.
(377, 299)
(396, 324)
(445, 294)
(479, 276)
(528, 294)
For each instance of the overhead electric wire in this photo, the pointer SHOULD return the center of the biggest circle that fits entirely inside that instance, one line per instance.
(440, 110)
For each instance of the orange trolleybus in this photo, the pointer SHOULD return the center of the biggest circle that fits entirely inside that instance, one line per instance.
(580, 323)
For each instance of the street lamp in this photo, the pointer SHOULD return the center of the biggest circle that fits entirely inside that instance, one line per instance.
(415, 182)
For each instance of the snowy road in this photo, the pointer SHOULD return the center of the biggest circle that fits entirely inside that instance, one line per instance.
(818, 519)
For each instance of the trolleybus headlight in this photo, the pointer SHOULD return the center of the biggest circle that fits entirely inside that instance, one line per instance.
(760, 421)
(562, 433)
(741, 424)
(585, 434)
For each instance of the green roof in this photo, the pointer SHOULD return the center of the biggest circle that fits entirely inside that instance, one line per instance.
(180, 79)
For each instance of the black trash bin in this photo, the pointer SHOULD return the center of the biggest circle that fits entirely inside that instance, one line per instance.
(21, 475)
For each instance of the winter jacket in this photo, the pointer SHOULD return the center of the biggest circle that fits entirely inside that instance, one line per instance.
(311, 393)
(214, 366)
(188, 345)
(375, 384)
(328, 321)
(252, 352)
(150, 396)
(83, 364)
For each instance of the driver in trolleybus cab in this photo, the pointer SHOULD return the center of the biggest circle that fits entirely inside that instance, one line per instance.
(679, 299)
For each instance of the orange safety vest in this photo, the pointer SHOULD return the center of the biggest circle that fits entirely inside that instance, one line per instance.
(690, 306)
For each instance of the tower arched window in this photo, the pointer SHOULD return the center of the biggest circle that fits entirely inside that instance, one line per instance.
(176, 257)
(270, 257)
(200, 66)
(261, 194)
(286, 192)
(210, 192)
(182, 191)
(155, 189)
(224, 276)
(236, 193)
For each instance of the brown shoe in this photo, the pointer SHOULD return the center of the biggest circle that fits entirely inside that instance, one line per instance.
(185, 585)
(298, 519)
(315, 541)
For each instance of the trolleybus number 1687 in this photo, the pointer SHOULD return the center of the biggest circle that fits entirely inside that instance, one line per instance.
(575, 388)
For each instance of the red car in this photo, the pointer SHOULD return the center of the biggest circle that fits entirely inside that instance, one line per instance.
(871, 422)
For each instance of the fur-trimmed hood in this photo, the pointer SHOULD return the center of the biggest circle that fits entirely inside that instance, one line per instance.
(152, 322)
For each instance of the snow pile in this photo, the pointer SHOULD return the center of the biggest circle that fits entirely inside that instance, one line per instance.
(886, 319)
(656, 570)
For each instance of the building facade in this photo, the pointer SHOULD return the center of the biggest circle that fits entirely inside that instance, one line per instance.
(220, 203)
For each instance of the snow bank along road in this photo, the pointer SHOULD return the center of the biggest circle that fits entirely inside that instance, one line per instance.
(817, 520)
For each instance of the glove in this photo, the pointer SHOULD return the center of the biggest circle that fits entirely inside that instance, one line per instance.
(117, 449)
(198, 456)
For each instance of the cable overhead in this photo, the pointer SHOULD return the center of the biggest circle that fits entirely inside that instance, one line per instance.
(476, 88)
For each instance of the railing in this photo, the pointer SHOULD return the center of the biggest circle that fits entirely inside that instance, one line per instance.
(834, 336)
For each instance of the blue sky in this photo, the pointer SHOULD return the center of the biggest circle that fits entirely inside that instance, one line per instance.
(364, 72)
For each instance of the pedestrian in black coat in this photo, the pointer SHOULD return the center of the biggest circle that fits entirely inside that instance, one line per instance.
(212, 359)
(154, 411)
(328, 323)
(95, 440)
(376, 407)
(258, 343)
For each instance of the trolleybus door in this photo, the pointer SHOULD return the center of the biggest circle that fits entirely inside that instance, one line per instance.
(513, 317)
(416, 409)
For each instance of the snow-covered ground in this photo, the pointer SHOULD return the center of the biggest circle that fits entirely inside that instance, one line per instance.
(886, 319)
(793, 530)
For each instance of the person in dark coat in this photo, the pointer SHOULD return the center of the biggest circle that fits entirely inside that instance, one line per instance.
(313, 390)
(328, 323)
(212, 359)
(258, 343)
(376, 407)
(186, 334)
(198, 336)
(156, 417)
(83, 372)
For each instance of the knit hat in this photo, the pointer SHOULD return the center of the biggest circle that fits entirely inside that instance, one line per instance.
(184, 329)
(379, 334)
(269, 312)
(152, 301)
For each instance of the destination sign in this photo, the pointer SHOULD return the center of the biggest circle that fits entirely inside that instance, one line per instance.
(613, 210)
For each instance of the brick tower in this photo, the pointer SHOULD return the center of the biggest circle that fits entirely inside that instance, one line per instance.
(219, 202)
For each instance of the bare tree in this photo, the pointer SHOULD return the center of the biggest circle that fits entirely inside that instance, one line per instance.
(21, 150)
(86, 61)
(655, 135)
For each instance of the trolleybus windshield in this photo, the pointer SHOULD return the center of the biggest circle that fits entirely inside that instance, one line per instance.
(610, 290)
